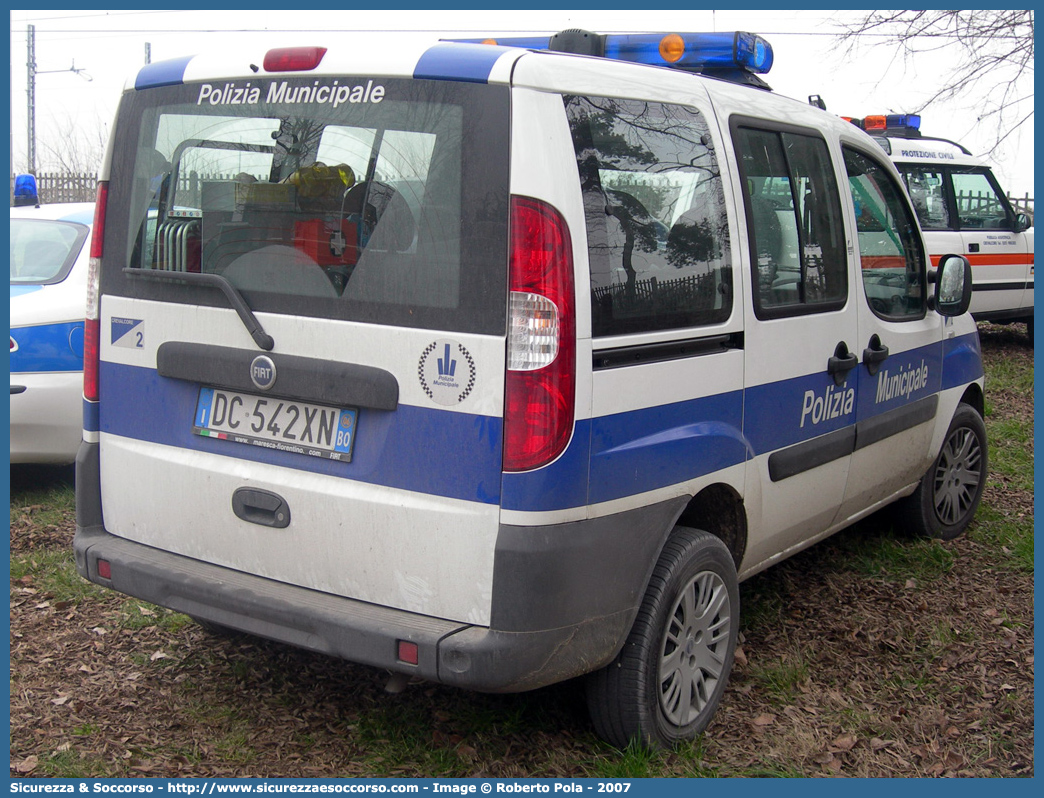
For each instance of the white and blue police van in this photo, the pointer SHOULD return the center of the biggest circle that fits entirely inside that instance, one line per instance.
(962, 208)
(501, 363)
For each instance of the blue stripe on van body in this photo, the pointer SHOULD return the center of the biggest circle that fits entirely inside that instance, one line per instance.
(90, 415)
(456, 455)
(962, 360)
(48, 348)
(162, 73)
(610, 457)
(22, 290)
(471, 63)
(558, 486)
(659, 446)
(898, 382)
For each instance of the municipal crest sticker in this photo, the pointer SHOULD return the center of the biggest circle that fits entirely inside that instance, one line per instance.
(447, 372)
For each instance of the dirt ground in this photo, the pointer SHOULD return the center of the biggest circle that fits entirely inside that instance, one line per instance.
(840, 672)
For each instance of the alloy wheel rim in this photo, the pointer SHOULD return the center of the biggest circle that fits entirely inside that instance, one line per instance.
(957, 476)
(694, 650)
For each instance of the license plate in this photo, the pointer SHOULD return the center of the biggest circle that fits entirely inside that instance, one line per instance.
(282, 424)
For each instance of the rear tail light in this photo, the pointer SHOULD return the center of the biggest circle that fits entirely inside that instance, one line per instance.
(408, 652)
(541, 357)
(91, 328)
(293, 59)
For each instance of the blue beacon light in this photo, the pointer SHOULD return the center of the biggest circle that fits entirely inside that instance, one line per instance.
(688, 51)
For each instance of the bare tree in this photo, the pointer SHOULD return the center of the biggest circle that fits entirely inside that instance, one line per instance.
(995, 57)
(73, 146)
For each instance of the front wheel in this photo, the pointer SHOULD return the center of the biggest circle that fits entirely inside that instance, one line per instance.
(949, 493)
(666, 683)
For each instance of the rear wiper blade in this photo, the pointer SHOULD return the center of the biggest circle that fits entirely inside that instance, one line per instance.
(235, 298)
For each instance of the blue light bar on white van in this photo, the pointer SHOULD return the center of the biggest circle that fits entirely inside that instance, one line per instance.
(892, 122)
(693, 50)
(886, 122)
(697, 52)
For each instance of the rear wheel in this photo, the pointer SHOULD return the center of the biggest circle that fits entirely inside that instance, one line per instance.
(666, 683)
(949, 493)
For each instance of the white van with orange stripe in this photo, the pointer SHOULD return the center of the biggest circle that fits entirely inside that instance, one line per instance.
(500, 364)
(962, 208)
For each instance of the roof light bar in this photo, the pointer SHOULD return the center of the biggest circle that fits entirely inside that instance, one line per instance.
(529, 42)
(693, 51)
(881, 122)
(697, 52)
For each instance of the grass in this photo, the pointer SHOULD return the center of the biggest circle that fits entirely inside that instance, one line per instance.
(69, 764)
(782, 680)
(896, 558)
(51, 506)
(53, 573)
(135, 615)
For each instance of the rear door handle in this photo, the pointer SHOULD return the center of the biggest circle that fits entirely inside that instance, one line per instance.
(261, 507)
(841, 363)
(874, 355)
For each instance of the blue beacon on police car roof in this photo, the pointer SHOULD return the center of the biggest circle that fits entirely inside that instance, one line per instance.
(697, 52)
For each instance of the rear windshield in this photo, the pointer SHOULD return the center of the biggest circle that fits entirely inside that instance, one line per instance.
(374, 200)
(43, 251)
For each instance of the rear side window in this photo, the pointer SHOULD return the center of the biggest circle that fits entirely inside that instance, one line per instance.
(980, 204)
(349, 198)
(657, 232)
(957, 198)
(43, 251)
(890, 253)
(794, 218)
(927, 188)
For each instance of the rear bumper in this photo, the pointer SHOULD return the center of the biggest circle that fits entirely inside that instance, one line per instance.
(563, 604)
(477, 658)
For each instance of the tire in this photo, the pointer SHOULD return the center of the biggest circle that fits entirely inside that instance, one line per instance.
(668, 679)
(947, 497)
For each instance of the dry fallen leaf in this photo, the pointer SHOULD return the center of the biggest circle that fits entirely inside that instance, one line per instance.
(845, 742)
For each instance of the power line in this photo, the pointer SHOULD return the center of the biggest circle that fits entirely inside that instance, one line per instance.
(101, 14)
(86, 34)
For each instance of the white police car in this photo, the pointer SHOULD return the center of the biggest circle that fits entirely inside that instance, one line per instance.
(50, 247)
(962, 208)
(498, 364)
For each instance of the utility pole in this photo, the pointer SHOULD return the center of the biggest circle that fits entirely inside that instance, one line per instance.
(31, 92)
(148, 53)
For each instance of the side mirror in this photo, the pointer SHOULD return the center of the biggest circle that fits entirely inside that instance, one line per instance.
(1023, 222)
(953, 286)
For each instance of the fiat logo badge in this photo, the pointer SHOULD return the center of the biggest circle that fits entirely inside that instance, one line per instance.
(263, 372)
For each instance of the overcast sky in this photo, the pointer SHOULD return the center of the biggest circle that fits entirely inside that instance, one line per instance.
(110, 46)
